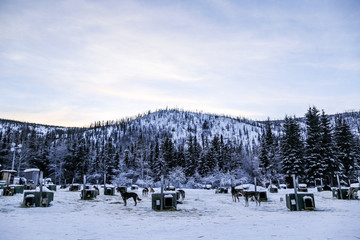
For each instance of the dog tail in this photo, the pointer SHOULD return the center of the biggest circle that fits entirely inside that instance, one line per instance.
(138, 199)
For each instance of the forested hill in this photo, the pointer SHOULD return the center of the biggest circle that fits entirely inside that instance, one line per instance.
(191, 147)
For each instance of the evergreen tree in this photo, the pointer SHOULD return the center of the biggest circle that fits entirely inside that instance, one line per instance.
(292, 148)
(167, 150)
(327, 150)
(267, 152)
(346, 149)
(192, 156)
(158, 165)
(314, 164)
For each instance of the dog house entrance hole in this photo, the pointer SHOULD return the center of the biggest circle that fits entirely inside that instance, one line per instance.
(168, 201)
(308, 203)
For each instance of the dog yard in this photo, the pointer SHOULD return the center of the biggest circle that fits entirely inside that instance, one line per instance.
(202, 215)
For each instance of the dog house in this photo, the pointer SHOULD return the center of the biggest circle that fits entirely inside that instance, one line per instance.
(88, 194)
(302, 187)
(340, 193)
(49, 184)
(222, 190)
(32, 197)
(305, 201)
(134, 187)
(273, 189)
(74, 187)
(32, 177)
(7, 177)
(169, 188)
(109, 190)
(13, 189)
(263, 196)
(349, 193)
(169, 201)
(51, 187)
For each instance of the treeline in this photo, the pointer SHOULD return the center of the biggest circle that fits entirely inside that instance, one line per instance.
(322, 151)
(188, 148)
(185, 146)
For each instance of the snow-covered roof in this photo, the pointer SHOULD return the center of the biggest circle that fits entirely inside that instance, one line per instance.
(44, 189)
(32, 170)
(302, 185)
(11, 171)
(250, 187)
(355, 185)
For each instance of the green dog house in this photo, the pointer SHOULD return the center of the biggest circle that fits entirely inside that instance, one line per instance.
(74, 187)
(169, 201)
(32, 197)
(13, 189)
(273, 189)
(305, 201)
(88, 194)
(343, 193)
(109, 190)
(51, 187)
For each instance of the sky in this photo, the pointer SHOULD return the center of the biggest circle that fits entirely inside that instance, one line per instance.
(74, 62)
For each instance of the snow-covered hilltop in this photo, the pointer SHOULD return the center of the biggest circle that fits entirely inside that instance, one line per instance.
(190, 145)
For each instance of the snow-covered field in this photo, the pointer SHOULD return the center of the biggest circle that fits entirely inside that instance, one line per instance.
(203, 215)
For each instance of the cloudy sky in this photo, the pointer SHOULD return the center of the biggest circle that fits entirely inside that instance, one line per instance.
(74, 62)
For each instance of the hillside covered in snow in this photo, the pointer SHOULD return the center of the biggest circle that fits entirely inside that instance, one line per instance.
(190, 148)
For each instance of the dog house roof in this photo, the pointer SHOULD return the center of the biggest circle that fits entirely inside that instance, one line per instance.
(32, 170)
(10, 171)
(250, 187)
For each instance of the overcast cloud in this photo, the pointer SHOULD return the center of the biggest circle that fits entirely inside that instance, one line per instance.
(75, 62)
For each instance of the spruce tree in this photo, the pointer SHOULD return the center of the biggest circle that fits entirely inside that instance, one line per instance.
(314, 164)
(327, 150)
(346, 149)
(292, 148)
(268, 154)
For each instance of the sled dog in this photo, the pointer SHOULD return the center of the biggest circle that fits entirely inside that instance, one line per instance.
(126, 195)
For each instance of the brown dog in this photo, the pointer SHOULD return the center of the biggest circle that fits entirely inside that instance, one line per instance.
(126, 195)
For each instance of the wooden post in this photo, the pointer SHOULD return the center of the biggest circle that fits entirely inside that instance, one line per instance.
(41, 185)
(8, 180)
(162, 193)
(321, 180)
(255, 183)
(295, 191)
(72, 182)
(104, 180)
(339, 185)
(84, 186)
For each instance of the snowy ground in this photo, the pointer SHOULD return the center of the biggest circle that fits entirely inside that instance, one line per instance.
(204, 215)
